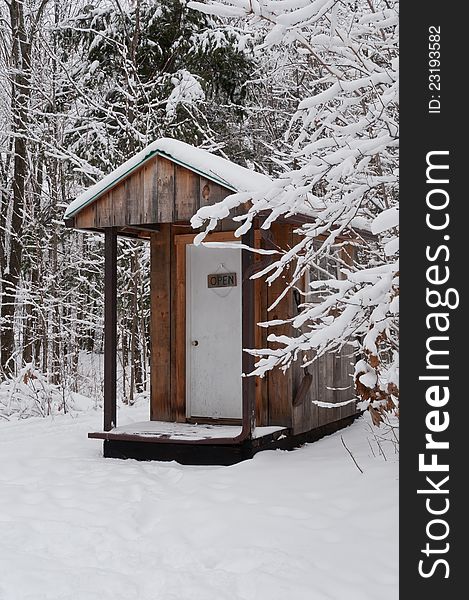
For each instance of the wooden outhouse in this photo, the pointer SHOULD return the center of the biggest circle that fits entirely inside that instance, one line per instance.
(204, 311)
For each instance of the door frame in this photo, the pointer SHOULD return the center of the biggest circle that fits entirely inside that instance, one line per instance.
(190, 417)
(248, 324)
(181, 241)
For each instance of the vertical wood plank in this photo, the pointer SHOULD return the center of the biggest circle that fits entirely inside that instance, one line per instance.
(333, 382)
(104, 210)
(248, 339)
(179, 345)
(302, 415)
(160, 282)
(346, 381)
(260, 339)
(134, 198)
(110, 328)
(86, 218)
(165, 190)
(119, 215)
(321, 370)
(187, 194)
(210, 192)
(280, 384)
(127, 200)
(314, 395)
(326, 381)
(150, 191)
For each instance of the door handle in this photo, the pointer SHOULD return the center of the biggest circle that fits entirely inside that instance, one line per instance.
(195, 343)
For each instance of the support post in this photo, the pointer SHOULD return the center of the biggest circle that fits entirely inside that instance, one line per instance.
(248, 325)
(110, 327)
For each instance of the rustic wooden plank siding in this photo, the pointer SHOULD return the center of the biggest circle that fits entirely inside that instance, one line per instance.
(104, 211)
(320, 388)
(161, 325)
(165, 190)
(118, 201)
(280, 384)
(210, 192)
(328, 372)
(344, 364)
(158, 192)
(178, 329)
(344, 377)
(134, 198)
(333, 414)
(86, 218)
(150, 191)
(187, 194)
(303, 413)
(260, 336)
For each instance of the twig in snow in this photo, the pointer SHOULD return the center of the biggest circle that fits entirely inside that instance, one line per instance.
(353, 458)
(380, 449)
(371, 447)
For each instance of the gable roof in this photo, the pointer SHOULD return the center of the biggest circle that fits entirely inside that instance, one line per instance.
(217, 169)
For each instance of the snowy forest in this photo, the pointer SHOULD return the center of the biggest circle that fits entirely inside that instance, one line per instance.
(293, 491)
(304, 91)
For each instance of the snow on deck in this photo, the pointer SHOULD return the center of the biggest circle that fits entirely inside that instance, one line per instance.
(305, 525)
(188, 431)
(215, 168)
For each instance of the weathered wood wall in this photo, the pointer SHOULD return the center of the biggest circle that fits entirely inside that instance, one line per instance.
(160, 191)
(276, 392)
(327, 380)
(160, 325)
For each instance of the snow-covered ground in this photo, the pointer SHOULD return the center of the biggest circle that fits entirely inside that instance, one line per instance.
(302, 525)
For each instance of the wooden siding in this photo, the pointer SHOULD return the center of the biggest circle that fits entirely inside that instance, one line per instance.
(158, 192)
(331, 382)
(277, 400)
(160, 326)
(179, 345)
(260, 338)
(279, 383)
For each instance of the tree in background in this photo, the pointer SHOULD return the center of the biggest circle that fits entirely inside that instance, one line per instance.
(305, 91)
(85, 87)
(341, 171)
(147, 70)
(43, 293)
(134, 73)
(17, 47)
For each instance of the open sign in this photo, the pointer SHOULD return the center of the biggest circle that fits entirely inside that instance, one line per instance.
(220, 280)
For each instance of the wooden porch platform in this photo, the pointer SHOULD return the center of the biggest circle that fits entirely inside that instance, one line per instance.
(191, 444)
(162, 431)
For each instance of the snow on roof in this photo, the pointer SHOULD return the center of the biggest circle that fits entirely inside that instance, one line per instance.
(217, 169)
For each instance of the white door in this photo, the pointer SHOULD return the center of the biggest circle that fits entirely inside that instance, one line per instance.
(213, 332)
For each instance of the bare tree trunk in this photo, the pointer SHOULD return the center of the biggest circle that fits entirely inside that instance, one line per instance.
(11, 267)
(136, 374)
(11, 256)
(125, 356)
